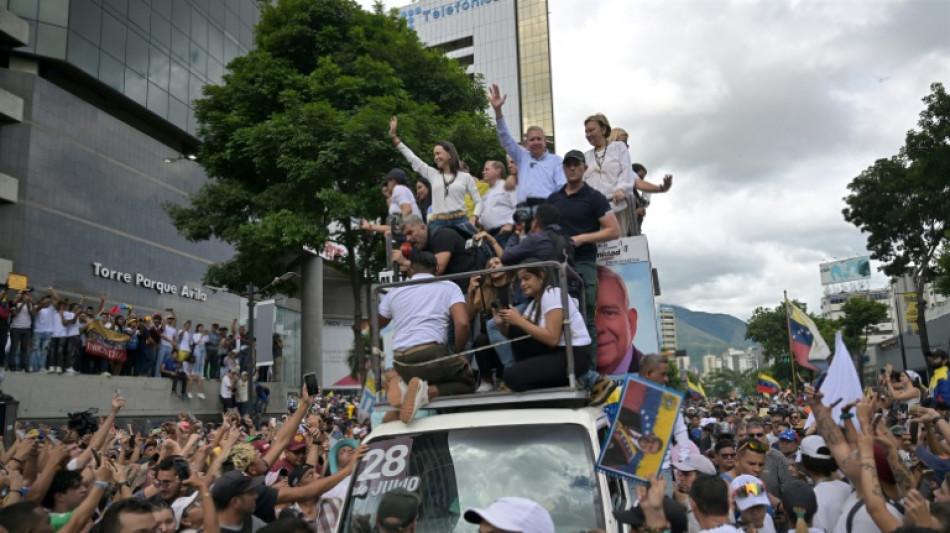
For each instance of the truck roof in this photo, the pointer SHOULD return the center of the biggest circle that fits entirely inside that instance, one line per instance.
(585, 416)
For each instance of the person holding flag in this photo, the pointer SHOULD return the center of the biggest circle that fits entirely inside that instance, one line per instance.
(768, 385)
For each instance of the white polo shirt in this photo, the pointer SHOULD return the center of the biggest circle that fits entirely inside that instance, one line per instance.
(420, 313)
(497, 207)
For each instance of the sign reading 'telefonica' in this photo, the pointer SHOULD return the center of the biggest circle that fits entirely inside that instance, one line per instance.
(143, 281)
(413, 14)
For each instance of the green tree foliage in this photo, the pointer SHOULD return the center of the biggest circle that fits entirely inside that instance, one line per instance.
(901, 202)
(769, 328)
(673, 376)
(860, 315)
(722, 382)
(294, 141)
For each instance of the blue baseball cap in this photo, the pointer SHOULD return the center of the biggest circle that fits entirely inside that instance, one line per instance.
(788, 434)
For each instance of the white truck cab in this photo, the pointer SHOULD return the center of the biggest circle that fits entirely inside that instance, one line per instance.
(461, 460)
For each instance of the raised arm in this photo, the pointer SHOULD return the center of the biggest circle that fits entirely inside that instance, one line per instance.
(509, 143)
(286, 433)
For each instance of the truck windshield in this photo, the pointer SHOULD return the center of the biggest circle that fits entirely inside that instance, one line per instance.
(461, 469)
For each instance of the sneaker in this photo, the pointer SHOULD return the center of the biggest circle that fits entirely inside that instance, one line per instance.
(59, 370)
(190, 396)
(416, 397)
(601, 391)
(486, 386)
(396, 391)
(71, 372)
(106, 374)
(201, 396)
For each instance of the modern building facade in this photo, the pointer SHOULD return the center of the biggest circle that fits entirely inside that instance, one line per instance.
(504, 41)
(667, 319)
(101, 144)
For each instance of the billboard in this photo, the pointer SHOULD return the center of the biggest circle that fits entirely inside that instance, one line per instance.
(853, 269)
(626, 311)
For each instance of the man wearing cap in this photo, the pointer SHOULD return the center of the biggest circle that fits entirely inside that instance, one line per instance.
(235, 499)
(398, 511)
(585, 217)
(685, 473)
(819, 465)
(788, 444)
(752, 503)
(511, 515)
(421, 359)
(495, 213)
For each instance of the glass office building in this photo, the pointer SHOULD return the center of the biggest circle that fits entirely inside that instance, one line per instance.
(505, 41)
(95, 97)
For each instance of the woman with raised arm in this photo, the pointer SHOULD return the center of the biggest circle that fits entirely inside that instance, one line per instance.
(448, 183)
(610, 171)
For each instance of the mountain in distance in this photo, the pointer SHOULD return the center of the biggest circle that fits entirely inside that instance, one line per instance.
(701, 333)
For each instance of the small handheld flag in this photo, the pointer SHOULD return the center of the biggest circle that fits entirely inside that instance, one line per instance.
(768, 385)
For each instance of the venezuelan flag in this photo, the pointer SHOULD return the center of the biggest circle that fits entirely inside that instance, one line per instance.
(768, 385)
(696, 391)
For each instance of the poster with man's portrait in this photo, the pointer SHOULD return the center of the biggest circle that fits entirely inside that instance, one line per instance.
(626, 313)
(641, 432)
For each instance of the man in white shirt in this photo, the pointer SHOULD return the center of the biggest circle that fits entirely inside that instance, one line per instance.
(167, 346)
(227, 389)
(21, 330)
(830, 492)
(420, 316)
(495, 213)
(42, 333)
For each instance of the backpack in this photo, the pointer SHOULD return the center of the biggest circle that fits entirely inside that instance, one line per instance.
(564, 253)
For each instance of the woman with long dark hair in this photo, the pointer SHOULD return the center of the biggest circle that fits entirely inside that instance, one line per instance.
(423, 196)
(541, 359)
(448, 181)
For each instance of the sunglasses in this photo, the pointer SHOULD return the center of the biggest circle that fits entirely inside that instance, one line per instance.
(301, 451)
(756, 435)
(754, 445)
(727, 455)
(749, 489)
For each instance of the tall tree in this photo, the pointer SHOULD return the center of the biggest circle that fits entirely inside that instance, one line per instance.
(860, 316)
(901, 202)
(294, 141)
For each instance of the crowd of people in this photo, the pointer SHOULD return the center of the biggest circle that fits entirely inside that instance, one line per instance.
(798, 462)
(49, 335)
(549, 208)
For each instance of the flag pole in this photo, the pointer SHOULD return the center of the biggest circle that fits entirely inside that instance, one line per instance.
(791, 353)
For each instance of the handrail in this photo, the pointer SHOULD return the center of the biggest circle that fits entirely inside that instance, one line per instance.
(562, 269)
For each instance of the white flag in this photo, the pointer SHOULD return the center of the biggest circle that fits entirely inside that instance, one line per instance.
(842, 382)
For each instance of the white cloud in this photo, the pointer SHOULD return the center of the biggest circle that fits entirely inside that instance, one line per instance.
(762, 110)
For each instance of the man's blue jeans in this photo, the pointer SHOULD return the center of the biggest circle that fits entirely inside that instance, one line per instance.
(163, 351)
(41, 342)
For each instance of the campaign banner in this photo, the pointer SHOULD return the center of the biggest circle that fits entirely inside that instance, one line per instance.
(105, 343)
(641, 431)
(846, 270)
(626, 311)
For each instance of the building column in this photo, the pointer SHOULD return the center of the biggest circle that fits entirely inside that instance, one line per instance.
(311, 328)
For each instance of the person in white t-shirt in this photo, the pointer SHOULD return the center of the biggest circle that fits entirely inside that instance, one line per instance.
(22, 313)
(752, 503)
(168, 334)
(818, 463)
(196, 363)
(42, 333)
(183, 341)
(227, 389)
(541, 361)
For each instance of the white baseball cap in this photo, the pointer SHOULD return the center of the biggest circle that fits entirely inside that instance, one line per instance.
(752, 489)
(179, 506)
(696, 463)
(513, 514)
(812, 447)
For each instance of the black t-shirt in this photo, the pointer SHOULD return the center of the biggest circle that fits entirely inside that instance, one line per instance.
(580, 213)
(266, 500)
(448, 240)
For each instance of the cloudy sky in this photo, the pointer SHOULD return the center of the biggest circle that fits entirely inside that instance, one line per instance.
(762, 110)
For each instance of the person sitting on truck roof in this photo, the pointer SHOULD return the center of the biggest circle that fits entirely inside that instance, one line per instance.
(420, 316)
(542, 358)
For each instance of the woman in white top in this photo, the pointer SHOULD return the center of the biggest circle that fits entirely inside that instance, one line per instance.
(448, 183)
(195, 370)
(541, 360)
(610, 171)
(184, 342)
